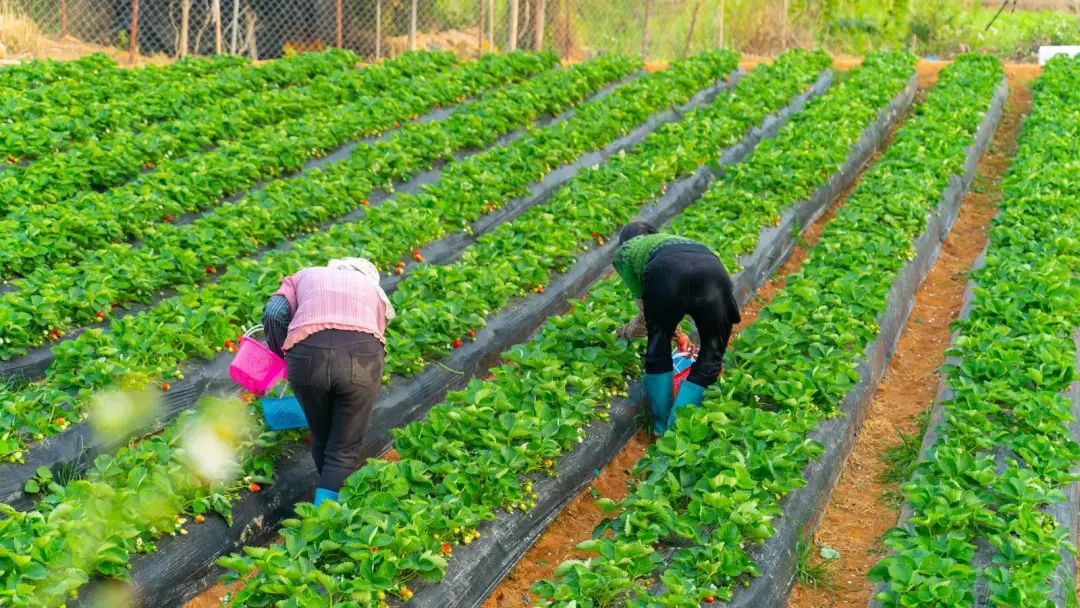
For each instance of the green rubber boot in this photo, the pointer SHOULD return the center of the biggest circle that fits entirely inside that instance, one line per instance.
(689, 394)
(658, 390)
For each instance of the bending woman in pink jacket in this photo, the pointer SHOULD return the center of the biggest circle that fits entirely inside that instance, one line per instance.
(328, 324)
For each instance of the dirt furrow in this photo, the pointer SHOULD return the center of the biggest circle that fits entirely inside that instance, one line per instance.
(577, 521)
(865, 502)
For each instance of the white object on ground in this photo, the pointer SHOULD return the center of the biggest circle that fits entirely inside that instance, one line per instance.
(1046, 52)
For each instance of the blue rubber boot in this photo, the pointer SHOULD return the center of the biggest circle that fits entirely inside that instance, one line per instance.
(322, 494)
(689, 394)
(658, 390)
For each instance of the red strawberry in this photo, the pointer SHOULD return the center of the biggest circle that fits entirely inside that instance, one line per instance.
(60, 422)
(211, 270)
(100, 315)
(471, 333)
(254, 487)
(168, 218)
(539, 289)
(458, 343)
(446, 548)
(200, 518)
(374, 549)
(165, 387)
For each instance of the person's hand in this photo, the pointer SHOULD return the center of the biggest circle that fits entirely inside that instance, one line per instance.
(684, 343)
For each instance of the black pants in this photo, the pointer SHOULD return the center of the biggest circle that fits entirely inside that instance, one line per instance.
(682, 280)
(335, 375)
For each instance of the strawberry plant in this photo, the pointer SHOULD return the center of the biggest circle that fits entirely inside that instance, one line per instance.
(199, 321)
(156, 460)
(187, 91)
(253, 98)
(518, 257)
(33, 77)
(165, 257)
(456, 470)
(332, 113)
(791, 166)
(96, 79)
(710, 488)
(1004, 451)
(98, 86)
(124, 503)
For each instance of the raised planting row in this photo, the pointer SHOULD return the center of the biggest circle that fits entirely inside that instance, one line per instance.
(710, 489)
(467, 190)
(186, 565)
(473, 458)
(189, 494)
(214, 315)
(124, 502)
(25, 77)
(811, 149)
(187, 91)
(355, 104)
(219, 109)
(478, 568)
(444, 305)
(990, 517)
(752, 92)
(78, 108)
(186, 254)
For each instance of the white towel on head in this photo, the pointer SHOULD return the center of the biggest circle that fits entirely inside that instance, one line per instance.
(366, 268)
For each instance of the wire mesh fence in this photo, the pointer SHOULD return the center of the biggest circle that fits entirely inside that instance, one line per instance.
(576, 29)
(658, 29)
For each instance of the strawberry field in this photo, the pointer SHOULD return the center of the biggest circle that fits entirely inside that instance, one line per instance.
(147, 214)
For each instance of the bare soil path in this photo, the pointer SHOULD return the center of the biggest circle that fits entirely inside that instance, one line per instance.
(863, 507)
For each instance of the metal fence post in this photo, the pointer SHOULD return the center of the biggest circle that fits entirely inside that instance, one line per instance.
(253, 49)
(63, 19)
(134, 48)
(215, 8)
(538, 33)
(185, 28)
(412, 27)
(513, 35)
(234, 42)
(378, 29)
(340, 18)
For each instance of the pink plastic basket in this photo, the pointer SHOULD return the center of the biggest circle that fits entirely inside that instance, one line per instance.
(255, 366)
